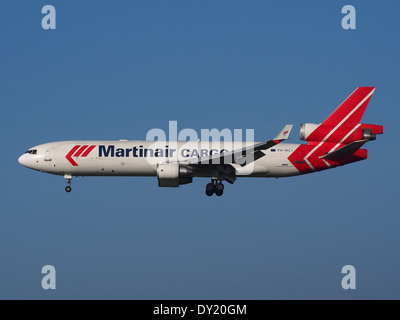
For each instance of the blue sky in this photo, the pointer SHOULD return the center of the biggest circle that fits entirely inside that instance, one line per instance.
(115, 69)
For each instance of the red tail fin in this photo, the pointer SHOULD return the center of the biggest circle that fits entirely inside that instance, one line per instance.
(352, 109)
(344, 119)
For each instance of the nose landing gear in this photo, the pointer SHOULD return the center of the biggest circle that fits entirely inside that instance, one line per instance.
(68, 188)
(215, 187)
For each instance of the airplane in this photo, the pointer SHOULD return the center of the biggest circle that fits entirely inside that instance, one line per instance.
(337, 141)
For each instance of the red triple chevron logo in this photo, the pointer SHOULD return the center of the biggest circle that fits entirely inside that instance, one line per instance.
(79, 151)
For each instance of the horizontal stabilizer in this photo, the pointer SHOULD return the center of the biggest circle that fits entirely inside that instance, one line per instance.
(346, 150)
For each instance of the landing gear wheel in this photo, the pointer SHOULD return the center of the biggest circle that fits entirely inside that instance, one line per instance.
(68, 178)
(210, 189)
(219, 189)
(215, 187)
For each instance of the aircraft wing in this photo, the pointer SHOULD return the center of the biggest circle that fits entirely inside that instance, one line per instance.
(244, 155)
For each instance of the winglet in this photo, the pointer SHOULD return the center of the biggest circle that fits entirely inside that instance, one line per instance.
(284, 134)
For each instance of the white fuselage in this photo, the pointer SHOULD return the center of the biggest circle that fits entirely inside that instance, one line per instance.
(141, 158)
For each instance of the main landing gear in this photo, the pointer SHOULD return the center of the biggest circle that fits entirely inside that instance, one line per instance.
(68, 187)
(215, 187)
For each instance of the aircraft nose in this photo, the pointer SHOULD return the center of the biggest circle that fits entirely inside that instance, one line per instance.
(22, 160)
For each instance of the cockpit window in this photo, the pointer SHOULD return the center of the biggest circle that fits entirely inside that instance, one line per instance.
(34, 151)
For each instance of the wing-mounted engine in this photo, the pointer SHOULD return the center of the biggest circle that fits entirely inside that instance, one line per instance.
(173, 175)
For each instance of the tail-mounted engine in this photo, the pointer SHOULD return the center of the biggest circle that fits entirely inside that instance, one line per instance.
(346, 133)
(173, 175)
(306, 129)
